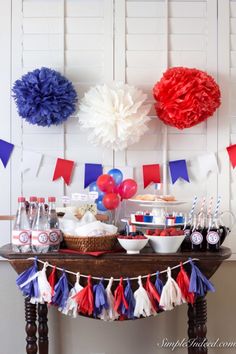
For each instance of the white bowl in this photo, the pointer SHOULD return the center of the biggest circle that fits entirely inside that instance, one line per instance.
(133, 246)
(165, 244)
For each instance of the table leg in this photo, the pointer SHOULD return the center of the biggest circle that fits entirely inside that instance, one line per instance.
(197, 328)
(43, 328)
(31, 327)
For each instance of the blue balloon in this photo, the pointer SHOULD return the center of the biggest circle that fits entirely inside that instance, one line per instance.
(99, 203)
(94, 188)
(117, 175)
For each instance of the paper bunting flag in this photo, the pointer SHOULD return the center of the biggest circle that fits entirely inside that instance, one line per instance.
(207, 163)
(151, 174)
(63, 169)
(232, 154)
(31, 162)
(178, 169)
(5, 151)
(91, 173)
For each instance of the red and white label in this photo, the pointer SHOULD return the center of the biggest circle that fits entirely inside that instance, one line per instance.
(213, 237)
(196, 238)
(21, 237)
(46, 237)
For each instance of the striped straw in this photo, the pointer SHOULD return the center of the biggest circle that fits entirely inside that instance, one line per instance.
(202, 206)
(193, 208)
(210, 206)
(217, 208)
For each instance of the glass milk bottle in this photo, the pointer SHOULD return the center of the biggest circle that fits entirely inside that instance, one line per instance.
(53, 222)
(40, 234)
(21, 234)
(213, 235)
(197, 235)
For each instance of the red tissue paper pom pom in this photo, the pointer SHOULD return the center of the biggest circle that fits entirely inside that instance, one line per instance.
(186, 97)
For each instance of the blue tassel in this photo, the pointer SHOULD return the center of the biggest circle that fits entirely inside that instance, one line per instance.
(100, 298)
(61, 292)
(158, 284)
(30, 289)
(199, 284)
(129, 296)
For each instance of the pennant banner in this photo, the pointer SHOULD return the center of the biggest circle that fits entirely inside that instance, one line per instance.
(63, 169)
(31, 162)
(178, 169)
(207, 163)
(232, 154)
(151, 174)
(91, 173)
(5, 151)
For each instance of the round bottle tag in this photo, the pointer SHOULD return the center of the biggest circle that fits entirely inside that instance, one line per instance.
(21, 237)
(40, 238)
(213, 237)
(196, 238)
(54, 236)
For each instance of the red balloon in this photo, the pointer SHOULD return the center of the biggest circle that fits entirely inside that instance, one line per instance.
(128, 188)
(106, 183)
(111, 201)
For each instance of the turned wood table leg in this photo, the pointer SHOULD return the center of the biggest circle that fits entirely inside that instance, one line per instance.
(43, 328)
(31, 327)
(197, 328)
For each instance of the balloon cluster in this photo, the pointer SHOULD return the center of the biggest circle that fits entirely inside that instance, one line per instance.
(112, 189)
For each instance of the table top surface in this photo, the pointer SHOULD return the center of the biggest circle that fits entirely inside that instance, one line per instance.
(224, 253)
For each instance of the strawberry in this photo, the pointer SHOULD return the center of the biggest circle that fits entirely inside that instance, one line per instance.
(173, 233)
(149, 232)
(164, 233)
(157, 232)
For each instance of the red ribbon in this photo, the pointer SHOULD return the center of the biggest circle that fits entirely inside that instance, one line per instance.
(232, 154)
(84, 299)
(152, 293)
(183, 283)
(120, 297)
(151, 174)
(63, 169)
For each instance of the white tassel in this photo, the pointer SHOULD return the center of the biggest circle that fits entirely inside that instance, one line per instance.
(109, 314)
(143, 306)
(71, 307)
(171, 293)
(45, 291)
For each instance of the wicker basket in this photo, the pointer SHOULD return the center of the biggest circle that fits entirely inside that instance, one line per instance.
(90, 244)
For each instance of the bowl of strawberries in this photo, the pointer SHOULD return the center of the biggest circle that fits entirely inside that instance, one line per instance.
(133, 243)
(165, 240)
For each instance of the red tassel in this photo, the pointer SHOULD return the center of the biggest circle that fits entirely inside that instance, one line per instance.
(84, 299)
(120, 298)
(183, 283)
(152, 293)
(52, 280)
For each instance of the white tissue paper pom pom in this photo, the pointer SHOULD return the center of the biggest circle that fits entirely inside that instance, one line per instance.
(115, 114)
(71, 307)
(143, 305)
(109, 314)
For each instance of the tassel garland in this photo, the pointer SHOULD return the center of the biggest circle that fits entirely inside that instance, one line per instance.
(98, 301)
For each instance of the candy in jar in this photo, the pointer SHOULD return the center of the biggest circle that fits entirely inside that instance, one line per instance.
(21, 233)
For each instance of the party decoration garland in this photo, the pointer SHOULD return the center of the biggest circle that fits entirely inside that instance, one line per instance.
(97, 301)
(186, 97)
(44, 97)
(116, 115)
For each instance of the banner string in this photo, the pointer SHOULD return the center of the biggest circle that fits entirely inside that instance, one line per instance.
(47, 264)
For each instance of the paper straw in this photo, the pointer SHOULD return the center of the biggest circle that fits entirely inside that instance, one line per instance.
(193, 208)
(202, 206)
(210, 206)
(217, 208)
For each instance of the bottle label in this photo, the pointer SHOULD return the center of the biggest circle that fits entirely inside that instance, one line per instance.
(196, 238)
(213, 237)
(45, 237)
(21, 237)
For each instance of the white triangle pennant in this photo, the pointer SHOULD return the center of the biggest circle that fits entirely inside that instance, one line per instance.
(31, 162)
(207, 163)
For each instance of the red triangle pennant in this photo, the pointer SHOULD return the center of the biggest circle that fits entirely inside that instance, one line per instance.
(151, 174)
(232, 154)
(63, 169)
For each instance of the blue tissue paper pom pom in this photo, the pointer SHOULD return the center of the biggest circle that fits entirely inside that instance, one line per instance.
(44, 97)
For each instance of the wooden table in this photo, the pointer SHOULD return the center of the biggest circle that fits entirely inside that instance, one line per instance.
(116, 265)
